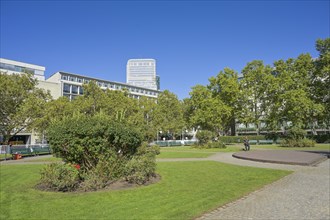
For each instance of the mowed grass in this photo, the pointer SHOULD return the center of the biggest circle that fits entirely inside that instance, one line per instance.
(174, 154)
(186, 190)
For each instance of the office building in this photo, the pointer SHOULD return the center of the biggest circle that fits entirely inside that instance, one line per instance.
(11, 67)
(68, 85)
(142, 73)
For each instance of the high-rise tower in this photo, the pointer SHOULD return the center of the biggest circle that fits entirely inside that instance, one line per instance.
(142, 72)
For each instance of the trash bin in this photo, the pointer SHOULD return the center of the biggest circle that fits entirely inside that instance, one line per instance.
(17, 156)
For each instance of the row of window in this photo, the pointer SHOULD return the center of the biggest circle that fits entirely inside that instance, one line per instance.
(103, 85)
(73, 89)
(73, 95)
(20, 69)
(141, 64)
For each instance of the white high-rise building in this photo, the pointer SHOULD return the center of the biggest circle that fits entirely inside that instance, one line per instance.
(142, 73)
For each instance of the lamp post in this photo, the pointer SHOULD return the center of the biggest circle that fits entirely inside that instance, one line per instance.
(159, 133)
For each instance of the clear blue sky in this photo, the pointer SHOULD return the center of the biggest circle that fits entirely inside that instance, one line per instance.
(191, 40)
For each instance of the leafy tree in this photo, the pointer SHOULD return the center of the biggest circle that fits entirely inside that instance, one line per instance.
(168, 114)
(225, 87)
(257, 84)
(320, 78)
(21, 103)
(54, 110)
(293, 101)
(206, 111)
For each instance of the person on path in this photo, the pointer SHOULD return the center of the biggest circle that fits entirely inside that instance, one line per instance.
(246, 144)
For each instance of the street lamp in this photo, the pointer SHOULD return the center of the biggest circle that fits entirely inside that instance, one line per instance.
(159, 133)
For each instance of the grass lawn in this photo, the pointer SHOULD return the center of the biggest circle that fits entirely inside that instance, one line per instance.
(169, 154)
(7, 156)
(186, 190)
(229, 148)
(44, 159)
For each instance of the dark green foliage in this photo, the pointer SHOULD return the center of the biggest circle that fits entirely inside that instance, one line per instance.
(216, 144)
(305, 142)
(239, 139)
(321, 138)
(296, 138)
(295, 133)
(83, 139)
(59, 177)
(143, 165)
(204, 137)
(272, 136)
(104, 150)
(108, 170)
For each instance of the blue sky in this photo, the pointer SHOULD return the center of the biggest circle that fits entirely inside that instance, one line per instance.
(190, 40)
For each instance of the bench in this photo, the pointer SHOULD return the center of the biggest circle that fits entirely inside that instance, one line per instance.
(251, 142)
(265, 141)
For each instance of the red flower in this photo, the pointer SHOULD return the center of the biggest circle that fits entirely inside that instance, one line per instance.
(77, 166)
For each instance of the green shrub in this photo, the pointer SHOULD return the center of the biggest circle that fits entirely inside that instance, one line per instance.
(83, 139)
(216, 144)
(295, 133)
(204, 137)
(143, 165)
(320, 138)
(106, 151)
(60, 177)
(108, 170)
(210, 144)
(298, 143)
(239, 139)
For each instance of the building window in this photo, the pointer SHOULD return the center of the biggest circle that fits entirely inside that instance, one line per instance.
(74, 89)
(79, 80)
(86, 81)
(81, 90)
(67, 95)
(66, 88)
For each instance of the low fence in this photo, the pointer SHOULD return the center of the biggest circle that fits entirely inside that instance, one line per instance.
(172, 143)
(25, 150)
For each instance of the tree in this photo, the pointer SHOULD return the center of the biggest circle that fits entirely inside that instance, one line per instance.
(168, 114)
(21, 103)
(225, 87)
(320, 79)
(206, 111)
(293, 101)
(257, 84)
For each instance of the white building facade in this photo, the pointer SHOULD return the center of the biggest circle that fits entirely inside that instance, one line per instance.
(68, 85)
(142, 73)
(15, 67)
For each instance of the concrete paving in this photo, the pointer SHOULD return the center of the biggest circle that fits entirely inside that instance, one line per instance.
(300, 196)
(282, 157)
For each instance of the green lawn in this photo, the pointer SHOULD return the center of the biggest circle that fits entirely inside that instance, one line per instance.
(169, 154)
(186, 190)
(230, 148)
(44, 159)
(7, 156)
